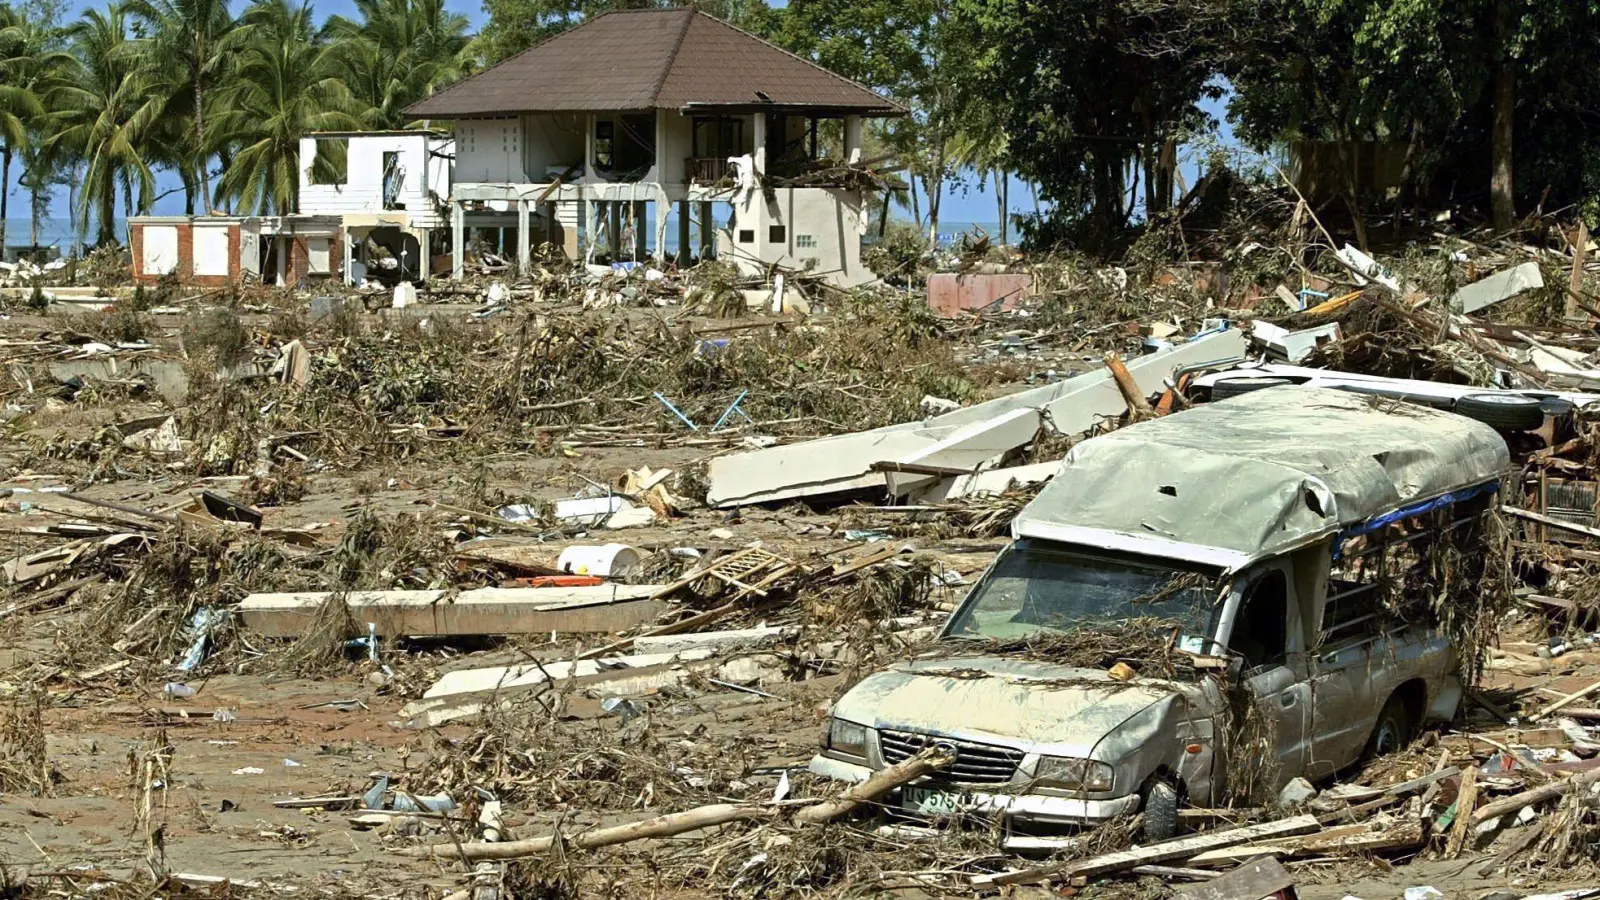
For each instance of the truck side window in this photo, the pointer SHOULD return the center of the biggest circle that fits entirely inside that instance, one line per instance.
(1261, 628)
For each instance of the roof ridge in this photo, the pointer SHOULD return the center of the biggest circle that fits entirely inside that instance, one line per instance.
(672, 58)
(813, 64)
(515, 56)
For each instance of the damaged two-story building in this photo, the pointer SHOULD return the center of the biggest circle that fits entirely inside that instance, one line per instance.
(598, 135)
(369, 204)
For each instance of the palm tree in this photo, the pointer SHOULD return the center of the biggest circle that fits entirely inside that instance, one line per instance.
(399, 52)
(22, 64)
(288, 85)
(103, 110)
(983, 149)
(184, 45)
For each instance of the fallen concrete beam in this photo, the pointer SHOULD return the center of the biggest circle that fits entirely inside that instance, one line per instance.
(1293, 346)
(845, 462)
(1498, 287)
(974, 446)
(628, 682)
(993, 481)
(603, 608)
(468, 681)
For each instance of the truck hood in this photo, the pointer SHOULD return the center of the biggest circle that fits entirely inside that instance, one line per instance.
(1062, 710)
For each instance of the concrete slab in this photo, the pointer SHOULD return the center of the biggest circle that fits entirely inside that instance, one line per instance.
(844, 462)
(603, 608)
(1498, 287)
(975, 446)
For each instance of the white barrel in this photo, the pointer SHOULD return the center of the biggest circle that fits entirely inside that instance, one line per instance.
(605, 560)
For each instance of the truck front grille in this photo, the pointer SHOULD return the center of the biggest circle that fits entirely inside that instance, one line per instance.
(975, 763)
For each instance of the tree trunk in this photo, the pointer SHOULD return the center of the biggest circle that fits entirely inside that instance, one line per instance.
(5, 179)
(1407, 170)
(1502, 194)
(916, 207)
(200, 140)
(1166, 170)
(1000, 201)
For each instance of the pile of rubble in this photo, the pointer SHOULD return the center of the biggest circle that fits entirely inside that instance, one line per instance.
(599, 562)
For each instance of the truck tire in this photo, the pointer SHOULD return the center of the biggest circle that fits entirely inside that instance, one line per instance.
(1160, 807)
(1392, 732)
(1233, 387)
(1507, 412)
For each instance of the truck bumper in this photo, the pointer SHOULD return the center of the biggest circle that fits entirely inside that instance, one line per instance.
(1031, 820)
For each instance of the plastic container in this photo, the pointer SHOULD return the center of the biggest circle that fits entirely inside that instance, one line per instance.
(603, 560)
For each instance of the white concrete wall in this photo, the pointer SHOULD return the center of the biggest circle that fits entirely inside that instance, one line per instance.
(551, 143)
(674, 144)
(362, 191)
(821, 224)
(490, 151)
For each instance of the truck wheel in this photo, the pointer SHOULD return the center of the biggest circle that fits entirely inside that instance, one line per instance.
(1160, 811)
(1233, 387)
(1393, 731)
(1509, 412)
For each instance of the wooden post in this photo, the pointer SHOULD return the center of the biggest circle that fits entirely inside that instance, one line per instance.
(1580, 255)
(1138, 407)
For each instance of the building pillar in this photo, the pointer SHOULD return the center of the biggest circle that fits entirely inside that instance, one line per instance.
(425, 248)
(458, 241)
(760, 132)
(588, 147)
(852, 139)
(524, 261)
(614, 228)
(684, 237)
(640, 233)
(348, 272)
(591, 227)
(708, 236)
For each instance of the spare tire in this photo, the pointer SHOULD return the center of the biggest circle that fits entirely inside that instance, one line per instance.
(1507, 412)
(1233, 387)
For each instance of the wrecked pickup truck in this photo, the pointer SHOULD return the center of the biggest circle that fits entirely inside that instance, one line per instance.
(1287, 551)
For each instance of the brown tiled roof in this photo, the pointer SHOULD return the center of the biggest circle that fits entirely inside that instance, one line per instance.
(650, 59)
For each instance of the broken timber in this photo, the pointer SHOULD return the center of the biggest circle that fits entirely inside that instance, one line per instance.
(1182, 848)
(602, 608)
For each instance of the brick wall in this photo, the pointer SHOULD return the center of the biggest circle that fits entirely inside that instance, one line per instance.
(299, 268)
(185, 268)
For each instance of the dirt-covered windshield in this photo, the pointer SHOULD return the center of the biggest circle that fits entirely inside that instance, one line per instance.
(1038, 590)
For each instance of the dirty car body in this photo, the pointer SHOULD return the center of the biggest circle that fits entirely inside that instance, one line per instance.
(1267, 534)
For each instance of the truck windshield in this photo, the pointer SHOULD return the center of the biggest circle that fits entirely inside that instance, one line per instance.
(1033, 590)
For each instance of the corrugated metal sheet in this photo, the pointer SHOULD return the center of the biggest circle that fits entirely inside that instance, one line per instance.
(650, 59)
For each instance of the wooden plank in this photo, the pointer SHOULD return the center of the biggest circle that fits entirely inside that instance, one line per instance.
(1517, 845)
(1181, 848)
(1553, 523)
(1343, 840)
(1565, 701)
(1466, 799)
(1253, 880)
(605, 608)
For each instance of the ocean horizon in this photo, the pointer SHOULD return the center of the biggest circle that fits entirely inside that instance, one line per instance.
(56, 231)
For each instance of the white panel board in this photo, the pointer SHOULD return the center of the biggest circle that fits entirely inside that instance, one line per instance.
(211, 250)
(160, 253)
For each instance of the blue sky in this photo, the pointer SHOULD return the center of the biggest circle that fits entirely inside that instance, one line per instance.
(968, 202)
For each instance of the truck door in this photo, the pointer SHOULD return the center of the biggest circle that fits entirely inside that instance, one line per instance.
(1266, 632)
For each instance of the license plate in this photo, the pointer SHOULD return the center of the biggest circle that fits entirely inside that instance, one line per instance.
(936, 803)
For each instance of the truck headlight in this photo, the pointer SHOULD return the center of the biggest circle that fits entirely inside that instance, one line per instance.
(1072, 774)
(848, 738)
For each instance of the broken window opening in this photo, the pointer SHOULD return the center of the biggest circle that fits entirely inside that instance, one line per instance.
(1261, 627)
(747, 235)
(331, 164)
(777, 234)
(393, 180)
